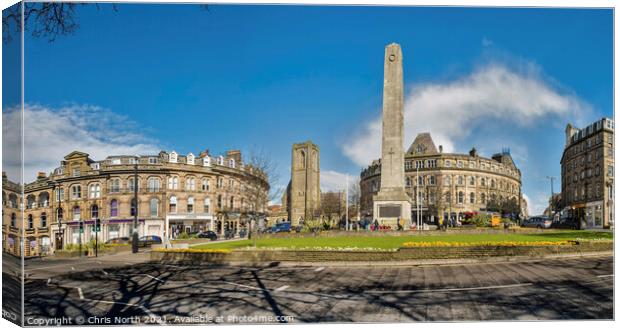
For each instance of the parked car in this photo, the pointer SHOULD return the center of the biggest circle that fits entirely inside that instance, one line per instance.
(281, 227)
(207, 234)
(565, 224)
(146, 241)
(119, 240)
(540, 222)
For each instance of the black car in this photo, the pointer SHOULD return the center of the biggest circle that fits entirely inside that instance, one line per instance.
(146, 241)
(207, 234)
(565, 224)
(119, 240)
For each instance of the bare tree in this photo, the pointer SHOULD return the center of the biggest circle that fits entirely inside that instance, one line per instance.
(265, 180)
(331, 204)
(355, 198)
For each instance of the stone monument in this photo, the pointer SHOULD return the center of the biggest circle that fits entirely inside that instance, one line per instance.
(392, 202)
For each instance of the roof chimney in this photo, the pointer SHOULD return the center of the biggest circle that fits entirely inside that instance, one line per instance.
(40, 175)
(440, 149)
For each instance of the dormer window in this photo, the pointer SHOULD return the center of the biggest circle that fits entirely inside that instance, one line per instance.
(173, 157)
(152, 160)
(132, 160)
(115, 161)
(220, 160)
(76, 172)
(206, 161)
(95, 166)
(190, 159)
(231, 163)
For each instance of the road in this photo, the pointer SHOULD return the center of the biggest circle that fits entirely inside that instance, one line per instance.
(568, 288)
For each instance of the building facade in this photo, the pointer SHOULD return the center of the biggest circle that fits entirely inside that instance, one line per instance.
(588, 174)
(303, 194)
(176, 194)
(448, 185)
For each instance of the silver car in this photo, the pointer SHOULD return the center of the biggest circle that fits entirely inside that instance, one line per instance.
(540, 222)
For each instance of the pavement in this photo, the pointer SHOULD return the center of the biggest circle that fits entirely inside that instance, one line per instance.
(127, 289)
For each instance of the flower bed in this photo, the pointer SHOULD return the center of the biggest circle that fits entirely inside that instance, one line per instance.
(414, 244)
(192, 250)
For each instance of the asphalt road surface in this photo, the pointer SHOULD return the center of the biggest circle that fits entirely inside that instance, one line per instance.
(140, 292)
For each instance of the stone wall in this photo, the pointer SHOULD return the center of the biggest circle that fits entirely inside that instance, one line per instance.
(403, 254)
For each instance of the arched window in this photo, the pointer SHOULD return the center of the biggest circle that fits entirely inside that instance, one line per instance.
(173, 157)
(232, 202)
(190, 205)
(205, 185)
(43, 220)
(13, 220)
(134, 207)
(94, 211)
(219, 201)
(173, 204)
(114, 208)
(492, 183)
(431, 180)
(153, 185)
(408, 182)
(460, 180)
(76, 192)
(190, 184)
(220, 160)
(446, 180)
(206, 161)
(115, 185)
(131, 184)
(483, 182)
(173, 183)
(94, 191)
(472, 181)
(30, 222)
(461, 196)
(154, 207)
(472, 198)
(447, 197)
(420, 181)
(302, 159)
(76, 213)
(207, 205)
(190, 159)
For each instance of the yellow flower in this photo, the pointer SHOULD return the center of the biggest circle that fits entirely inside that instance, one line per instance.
(191, 250)
(485, 243)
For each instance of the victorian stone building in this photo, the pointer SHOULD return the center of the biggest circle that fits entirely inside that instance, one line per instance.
(443, 185)
(588, 174)
(176, 194)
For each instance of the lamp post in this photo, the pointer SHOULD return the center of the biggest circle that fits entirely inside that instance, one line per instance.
(346, 206)
(134, 239)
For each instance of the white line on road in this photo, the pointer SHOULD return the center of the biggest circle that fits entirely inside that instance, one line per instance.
(281, 288)
(446, 289)
(605, 276)
(80, 293)
(240, 285)
(73, 268)
(49, 280)
(319, 269)
(148, 275)
(104, 272)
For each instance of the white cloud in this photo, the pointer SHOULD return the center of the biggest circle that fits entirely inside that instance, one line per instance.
(538, 205)
(487, 42)
(335, 181)
(52, 133)
(493, 93)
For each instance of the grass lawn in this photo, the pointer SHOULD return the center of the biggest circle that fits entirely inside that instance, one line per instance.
(392, 242)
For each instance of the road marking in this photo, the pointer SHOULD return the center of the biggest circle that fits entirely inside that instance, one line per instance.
(80, 293)
(281, 288)
(446, 289)
(148, 275)
(605, 276)
(319, 269)
(49, 280)
(240, 285)
(72, 268)
(104, 272)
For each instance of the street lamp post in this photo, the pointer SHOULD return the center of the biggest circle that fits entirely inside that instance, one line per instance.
(346, 206)
(134, 239)
(551, 210)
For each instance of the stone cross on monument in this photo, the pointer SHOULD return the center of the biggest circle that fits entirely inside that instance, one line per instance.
(392, 202)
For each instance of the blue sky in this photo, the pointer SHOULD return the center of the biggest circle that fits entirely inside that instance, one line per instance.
(150, 77)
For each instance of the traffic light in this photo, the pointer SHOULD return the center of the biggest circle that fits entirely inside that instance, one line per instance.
(81, 226)
(97, 224)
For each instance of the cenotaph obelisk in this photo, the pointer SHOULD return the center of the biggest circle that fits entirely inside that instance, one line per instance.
(392, 202)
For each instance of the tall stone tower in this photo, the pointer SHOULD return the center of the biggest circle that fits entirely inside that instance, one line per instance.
(392, 203)
(304, 193)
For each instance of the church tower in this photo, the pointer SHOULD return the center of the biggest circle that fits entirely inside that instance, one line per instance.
(304, 193)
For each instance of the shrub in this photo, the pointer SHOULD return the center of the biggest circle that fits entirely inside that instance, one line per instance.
(412, 244)
(481, 220)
